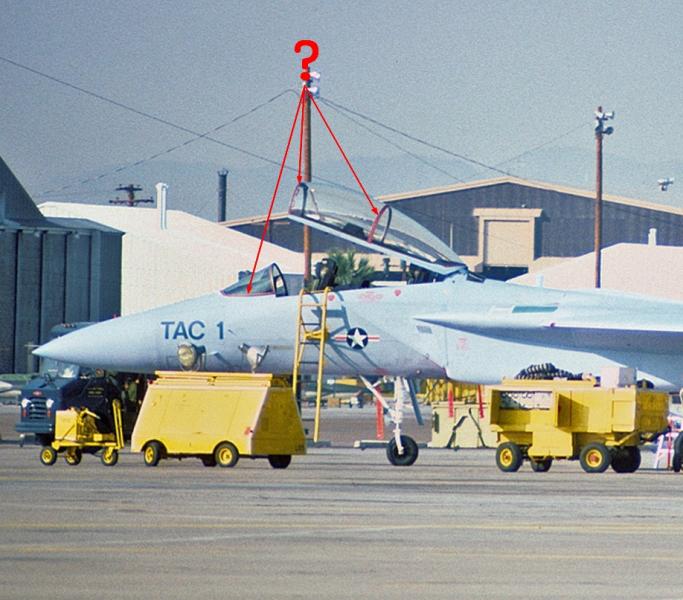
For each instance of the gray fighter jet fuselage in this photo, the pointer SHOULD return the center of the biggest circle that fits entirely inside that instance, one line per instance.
(460, 326)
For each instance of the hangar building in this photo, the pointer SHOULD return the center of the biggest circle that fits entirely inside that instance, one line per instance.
(506, 227)
(172, 256)
(51, 271)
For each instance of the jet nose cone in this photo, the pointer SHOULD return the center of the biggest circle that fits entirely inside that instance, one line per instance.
(123, 344)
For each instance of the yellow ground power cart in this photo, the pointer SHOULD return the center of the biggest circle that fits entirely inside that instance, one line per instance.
(545, 420)
(218, 418)
(79, 431)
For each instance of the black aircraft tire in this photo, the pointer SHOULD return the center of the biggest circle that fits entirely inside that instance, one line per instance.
(678, 454)
(410, 452)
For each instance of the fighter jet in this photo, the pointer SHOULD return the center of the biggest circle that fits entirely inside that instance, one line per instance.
(448, 323)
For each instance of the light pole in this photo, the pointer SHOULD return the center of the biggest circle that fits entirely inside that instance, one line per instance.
(600, 131)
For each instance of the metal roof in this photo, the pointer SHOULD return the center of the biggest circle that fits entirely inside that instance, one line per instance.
(531, 184)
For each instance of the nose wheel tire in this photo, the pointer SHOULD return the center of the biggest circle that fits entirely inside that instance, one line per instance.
(109, 457)
(226, 455)
(509, 457)
(410, 452)
(48, 456)
(595, 458)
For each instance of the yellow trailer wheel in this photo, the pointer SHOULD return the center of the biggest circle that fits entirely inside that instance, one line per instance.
(109, 457)
(595, 458)
(48, 456)
(73, 456)
(509, 457)
(226, 455)
(626, 460)
(152, 454)
(541, 466)
(279, 461)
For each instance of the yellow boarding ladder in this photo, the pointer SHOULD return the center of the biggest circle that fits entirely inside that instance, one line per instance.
(311, 333)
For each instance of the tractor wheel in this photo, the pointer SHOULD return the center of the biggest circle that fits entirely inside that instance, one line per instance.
(595, 458)
(73, 456)
(279, 461)
(626, 460)
(152, 454)
(541, 466)
(109, 457)
(48, 455)
(410, 452)
(509, 457)
(208, 460)
(226, 455)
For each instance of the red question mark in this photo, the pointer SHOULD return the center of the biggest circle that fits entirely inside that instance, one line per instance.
(305, 62)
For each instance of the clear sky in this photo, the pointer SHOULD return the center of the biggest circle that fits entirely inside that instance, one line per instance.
(487, 80)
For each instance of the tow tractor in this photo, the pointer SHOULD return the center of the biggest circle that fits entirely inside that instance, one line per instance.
(560, 419)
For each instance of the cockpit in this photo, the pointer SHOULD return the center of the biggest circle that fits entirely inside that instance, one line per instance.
(349, 217)
(268, 280)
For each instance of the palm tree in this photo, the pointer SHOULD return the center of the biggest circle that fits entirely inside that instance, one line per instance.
(349, 273)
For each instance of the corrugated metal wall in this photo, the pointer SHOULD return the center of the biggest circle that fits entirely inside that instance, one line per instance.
(564, 229)
(48, 276)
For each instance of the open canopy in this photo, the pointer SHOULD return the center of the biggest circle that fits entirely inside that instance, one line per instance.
(349, 217)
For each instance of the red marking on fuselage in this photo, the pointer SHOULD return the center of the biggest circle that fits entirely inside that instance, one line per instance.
(370, 297)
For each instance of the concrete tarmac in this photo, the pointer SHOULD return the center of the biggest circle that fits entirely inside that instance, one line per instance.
(338, 523)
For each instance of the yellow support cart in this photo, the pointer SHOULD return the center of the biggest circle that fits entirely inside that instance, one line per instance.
(546, 420)
(218, 418)
(77, 431)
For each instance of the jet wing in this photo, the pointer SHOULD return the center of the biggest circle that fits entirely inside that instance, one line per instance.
(608, 331)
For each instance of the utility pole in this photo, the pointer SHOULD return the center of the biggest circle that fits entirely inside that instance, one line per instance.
(130, 189)
(307, 166)
(600, 131)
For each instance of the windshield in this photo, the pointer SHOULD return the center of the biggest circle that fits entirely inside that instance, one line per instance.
(55, 369)
(268, 280)
(390, 230)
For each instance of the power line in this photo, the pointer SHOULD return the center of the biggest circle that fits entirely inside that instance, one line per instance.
(169, 150)
(394, 144)
(415, 138)
(496, 168)
(196, 135)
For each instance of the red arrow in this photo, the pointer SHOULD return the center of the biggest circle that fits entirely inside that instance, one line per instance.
(336, 141)
(277, 185)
